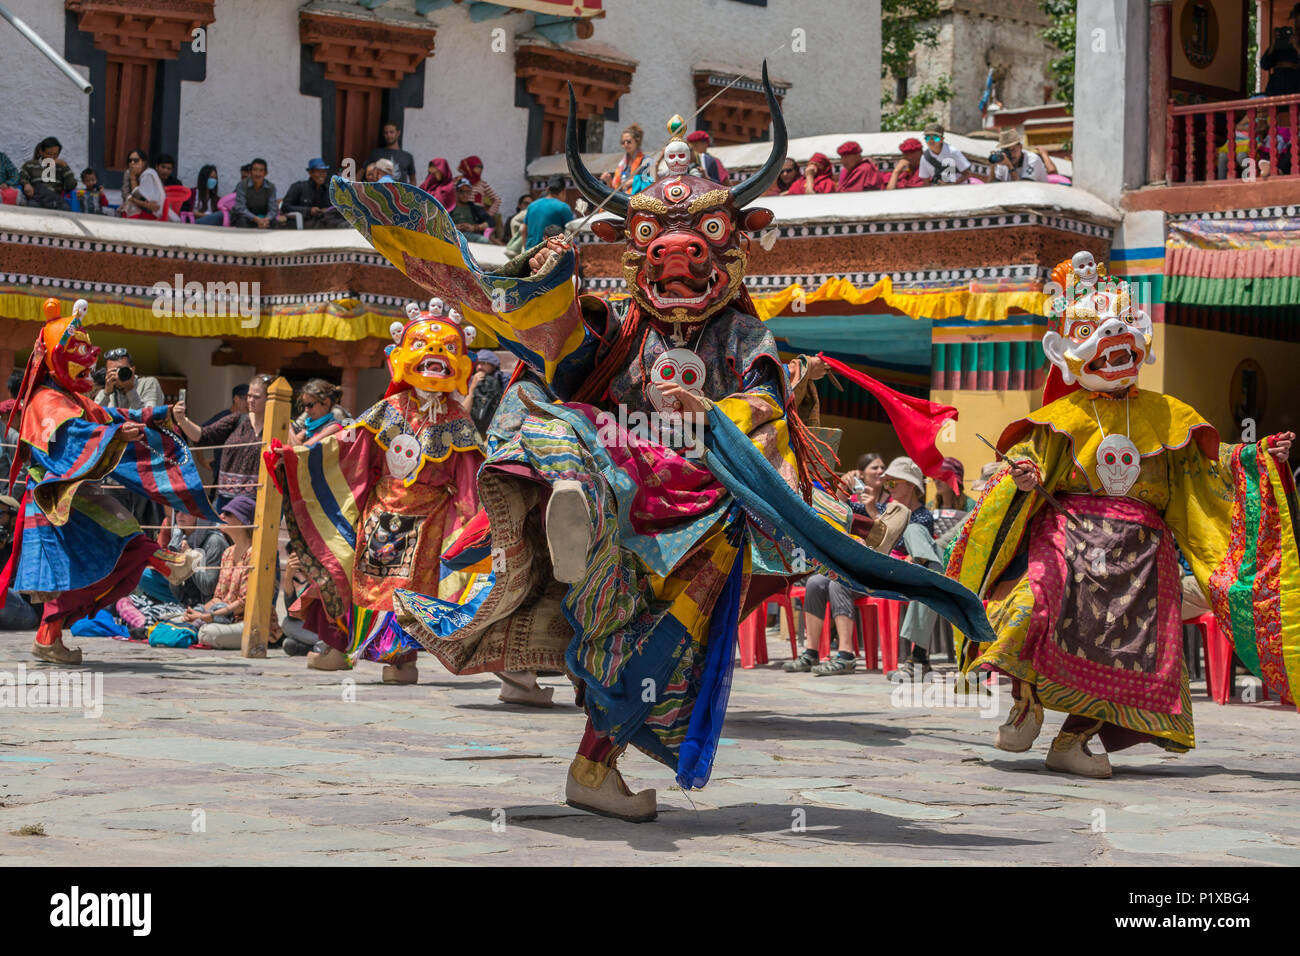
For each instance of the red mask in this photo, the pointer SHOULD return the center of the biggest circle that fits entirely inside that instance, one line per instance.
(69, 356)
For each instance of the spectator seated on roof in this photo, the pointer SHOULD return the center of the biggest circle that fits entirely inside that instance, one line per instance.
(470, 217)
(940, 164)
(1011, 161)
(790, 172)
(817, 177)
(856, 173)
(311, 198)
(705, 165)
(904, 175)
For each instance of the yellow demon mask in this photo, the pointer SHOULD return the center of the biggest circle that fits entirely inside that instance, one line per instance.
(430, 354)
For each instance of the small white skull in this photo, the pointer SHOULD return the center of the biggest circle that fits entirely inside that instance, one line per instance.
(1118, 464)
(677, 157)
(403, 456)
(675, 367)
(412, 310)
(435, 306)
(1085, 268)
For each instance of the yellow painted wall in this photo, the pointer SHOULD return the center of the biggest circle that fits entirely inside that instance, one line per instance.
(984, 413)
(861, 437)
(1197, 369)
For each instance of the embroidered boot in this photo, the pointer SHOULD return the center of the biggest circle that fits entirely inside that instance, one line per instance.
(568, 530)
(600, 788)
(407, 673)
(521, 687)
(331, 659)
(1070, 754)
(1022, 726)
(49, 645)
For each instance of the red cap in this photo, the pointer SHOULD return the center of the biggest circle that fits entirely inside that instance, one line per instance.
(699, 136)
(819, 158)
(912, 145)
(848, 147)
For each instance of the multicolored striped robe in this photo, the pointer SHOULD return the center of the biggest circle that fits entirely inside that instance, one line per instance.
(71, 533)
(1230, 508)
(362, 532)
(649, 631)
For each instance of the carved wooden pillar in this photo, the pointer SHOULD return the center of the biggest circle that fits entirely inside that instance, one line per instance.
(1158, 102)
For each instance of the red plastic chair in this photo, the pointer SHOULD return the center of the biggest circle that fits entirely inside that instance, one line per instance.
(175, 196)
(1219, 674)
(752, 632)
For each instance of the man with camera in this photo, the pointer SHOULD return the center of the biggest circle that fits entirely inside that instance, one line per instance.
(122, 388)
(1282, 59)
(1011, 161)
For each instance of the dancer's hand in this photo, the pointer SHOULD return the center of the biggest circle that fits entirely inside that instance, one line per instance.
(1024, 474)
(1280, 446)
(132, 431)
(684, 399)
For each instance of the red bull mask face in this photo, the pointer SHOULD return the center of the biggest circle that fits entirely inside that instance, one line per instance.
(69, 355)
(431, 356)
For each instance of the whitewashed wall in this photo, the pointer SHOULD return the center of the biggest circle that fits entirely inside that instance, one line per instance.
(249, 104)
(36, 99)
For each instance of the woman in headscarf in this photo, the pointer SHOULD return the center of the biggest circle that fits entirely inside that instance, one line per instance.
(471, 167)
(439, 183)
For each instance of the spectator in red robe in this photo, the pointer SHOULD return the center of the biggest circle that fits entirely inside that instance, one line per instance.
(712, 167)
(817, 177)
(857, 174)
(904, 175)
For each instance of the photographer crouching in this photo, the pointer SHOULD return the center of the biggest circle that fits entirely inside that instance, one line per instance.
(1011, 161)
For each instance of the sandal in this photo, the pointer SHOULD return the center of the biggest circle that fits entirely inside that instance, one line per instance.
(835, 665)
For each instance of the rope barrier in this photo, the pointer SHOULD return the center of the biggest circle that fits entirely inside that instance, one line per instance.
(239, 444)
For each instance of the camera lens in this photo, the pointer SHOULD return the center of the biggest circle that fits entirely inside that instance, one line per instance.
(124, 373)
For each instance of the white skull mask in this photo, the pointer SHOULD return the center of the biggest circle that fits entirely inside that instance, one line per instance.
(677, 157)
(675, 367)
(1085, 268)
(1118, 464)
(403, 456)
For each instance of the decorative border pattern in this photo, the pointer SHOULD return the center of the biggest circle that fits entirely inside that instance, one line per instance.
(903, 227)
(1022, 273)
(146, 291)
(189, 255)
(1265, 212)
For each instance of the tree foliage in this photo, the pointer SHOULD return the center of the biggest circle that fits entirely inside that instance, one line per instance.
(1061, 34)
(914, 112)
(904, 25)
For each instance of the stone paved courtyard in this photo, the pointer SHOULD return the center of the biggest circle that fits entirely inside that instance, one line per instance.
(203, 757)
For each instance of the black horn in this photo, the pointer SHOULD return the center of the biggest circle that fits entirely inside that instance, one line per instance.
(591, 187)
(757, 184)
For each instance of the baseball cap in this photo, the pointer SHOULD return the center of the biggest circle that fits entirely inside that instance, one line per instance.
(463, 181)
(317, 163)
(933, 129)
(487, 355)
